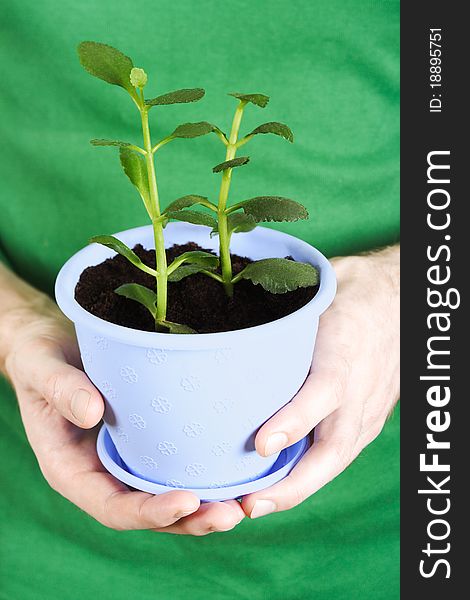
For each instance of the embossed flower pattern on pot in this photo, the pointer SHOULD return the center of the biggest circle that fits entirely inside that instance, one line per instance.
(137, 421)
(222, 406)
(221, 449)
(87, 357)
(218, 484)
(161, 405)
(108, 390)
(193, 429)
(195, 469)
(176, 483)
(156, 356)
(149, 462)
(167, 448)
(190, 383)
(122, 435)
(128, 374)
(101, 342)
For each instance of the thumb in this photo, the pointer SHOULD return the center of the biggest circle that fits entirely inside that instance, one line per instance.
(67, 389)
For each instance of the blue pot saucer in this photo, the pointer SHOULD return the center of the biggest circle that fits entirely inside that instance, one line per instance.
(113, 463)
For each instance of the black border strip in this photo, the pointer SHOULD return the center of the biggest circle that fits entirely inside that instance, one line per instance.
(422, 132)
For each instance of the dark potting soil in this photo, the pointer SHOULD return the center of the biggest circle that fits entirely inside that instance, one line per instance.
(197, 301)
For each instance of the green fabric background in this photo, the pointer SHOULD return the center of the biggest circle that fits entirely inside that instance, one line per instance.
(331, 68)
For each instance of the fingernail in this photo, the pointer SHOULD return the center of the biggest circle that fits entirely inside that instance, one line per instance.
(79, 404)
(262, 508)
(275, 443)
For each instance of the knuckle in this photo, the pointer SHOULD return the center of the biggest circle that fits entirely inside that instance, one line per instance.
(108, 523)
(143, 509)
(303, 423)
(296, 494)
(105, 516)
(53, 389)
(298, 418)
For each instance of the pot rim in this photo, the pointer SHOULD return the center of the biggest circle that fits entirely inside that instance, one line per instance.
(70, 272)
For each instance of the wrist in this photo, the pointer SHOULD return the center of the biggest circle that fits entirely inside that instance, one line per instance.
(382, 264)
(24, 311)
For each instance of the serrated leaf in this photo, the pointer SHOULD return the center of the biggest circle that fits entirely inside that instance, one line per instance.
(276, 128)
(191, 216)
(280, 275)
(184, 202)
(175, 327)
(274, 208)
(141, 294)
(259, 99)
(107, 63)
(240, 223)
(120, 247)
(110, 143)
(192, 130)
(230, 164)
(135, 168)
(184, 271)
(177, 97)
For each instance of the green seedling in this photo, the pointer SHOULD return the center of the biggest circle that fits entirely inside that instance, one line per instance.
(138, 163)
(276, 275)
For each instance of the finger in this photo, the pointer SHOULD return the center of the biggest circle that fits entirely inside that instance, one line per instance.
(321, 394)
(115, 506)
(333, 450)
(64, 387)
(211, 517)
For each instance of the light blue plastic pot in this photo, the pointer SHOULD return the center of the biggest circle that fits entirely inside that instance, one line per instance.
(183, 410)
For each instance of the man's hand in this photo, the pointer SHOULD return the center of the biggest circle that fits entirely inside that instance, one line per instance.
(60, 408)
(351, 389)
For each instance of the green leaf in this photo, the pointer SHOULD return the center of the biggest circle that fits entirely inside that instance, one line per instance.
(240, 223)
(230, 164)
(184, 202)
(135, 168)
(184, 271)
(198, 257)
(177, 97)
(110, 143)
(107, 63)
(274, 208)
(175, 327)
(192, 130)
(276, 128)
(259, 99)
(280, 275)
(191, 216)
(197, 260)
(141, 294)
(111, 242)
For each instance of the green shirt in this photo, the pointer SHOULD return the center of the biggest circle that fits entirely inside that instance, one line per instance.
(331, 68)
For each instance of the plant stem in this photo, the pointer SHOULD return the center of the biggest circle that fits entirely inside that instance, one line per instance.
(224, 234)
(160, 254)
